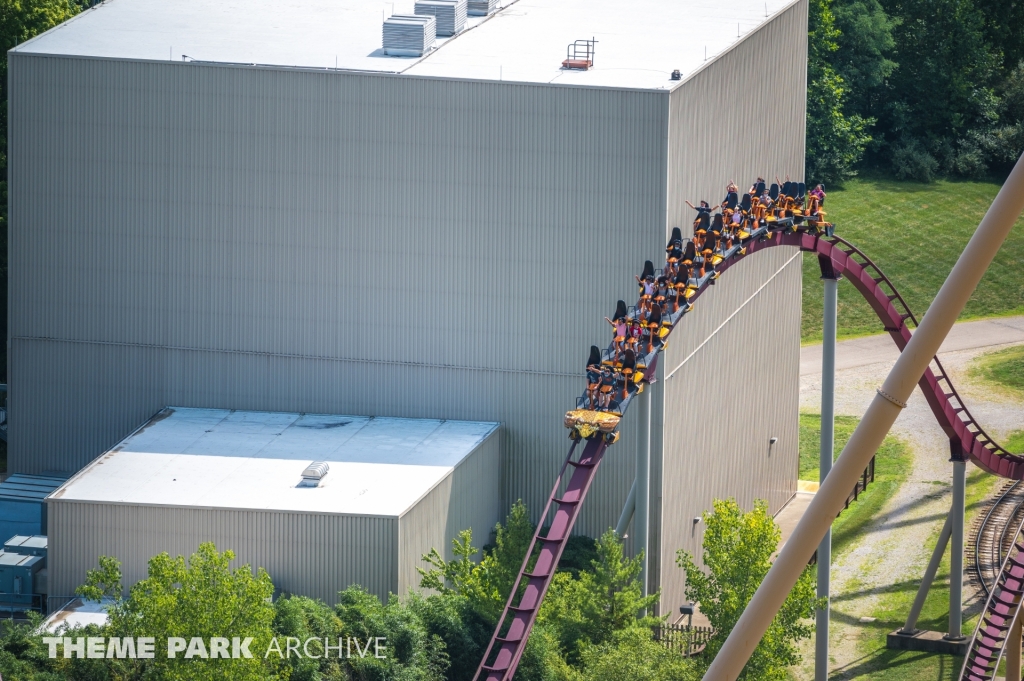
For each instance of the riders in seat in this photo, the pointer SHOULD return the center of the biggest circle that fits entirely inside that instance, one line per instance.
(593, 376)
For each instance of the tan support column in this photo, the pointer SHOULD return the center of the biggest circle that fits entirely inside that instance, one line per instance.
(867, 438)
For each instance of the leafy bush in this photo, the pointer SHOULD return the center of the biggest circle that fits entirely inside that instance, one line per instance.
(910, 161)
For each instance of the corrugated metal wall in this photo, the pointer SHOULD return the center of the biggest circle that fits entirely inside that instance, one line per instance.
(739, 387)
(467, 499)
(325, 242)
(305, 553)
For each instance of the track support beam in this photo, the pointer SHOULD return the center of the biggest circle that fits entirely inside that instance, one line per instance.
(910, 628)
(956, 551)
(828, 386)
(627, 512)
(642, 515)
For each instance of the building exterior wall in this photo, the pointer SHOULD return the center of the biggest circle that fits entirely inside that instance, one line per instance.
(736, 381)
(287, 240)
(315, 555)
(290, 240)
(466, 499)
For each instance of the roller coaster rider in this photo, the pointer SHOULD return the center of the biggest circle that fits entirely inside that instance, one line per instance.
(593, 377)
(674, 252)
(648, 286)
(620, 327)
(703, 213)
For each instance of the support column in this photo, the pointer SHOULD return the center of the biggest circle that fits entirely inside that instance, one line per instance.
(956, 553)
(910, 628)
(627, 512)
(828, 385)
(642, 515)
(1013, 650)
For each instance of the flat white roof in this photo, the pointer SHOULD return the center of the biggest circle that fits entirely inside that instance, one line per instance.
(216, 458)
(640, 42)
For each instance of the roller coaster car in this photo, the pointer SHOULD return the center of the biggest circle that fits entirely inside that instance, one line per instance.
(586, 423)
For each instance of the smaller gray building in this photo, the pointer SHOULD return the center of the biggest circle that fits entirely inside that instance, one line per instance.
(395, 489)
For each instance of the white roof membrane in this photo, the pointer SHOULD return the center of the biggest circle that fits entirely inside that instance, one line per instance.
(639, 42)
(254, 460)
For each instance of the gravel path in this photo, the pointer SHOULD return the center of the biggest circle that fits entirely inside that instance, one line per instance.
(895, 550)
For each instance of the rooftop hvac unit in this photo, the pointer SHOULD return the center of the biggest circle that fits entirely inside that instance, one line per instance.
(409, 35)
(450, 14)
(481, 8)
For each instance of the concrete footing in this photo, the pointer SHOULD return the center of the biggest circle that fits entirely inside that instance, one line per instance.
(927, 642)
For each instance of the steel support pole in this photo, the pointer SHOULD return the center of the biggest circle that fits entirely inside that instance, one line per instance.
(1013, 649)
(642, 515)
(627, 512)
(867, 438)
(910, 627)
(956, 552)
(828, 387)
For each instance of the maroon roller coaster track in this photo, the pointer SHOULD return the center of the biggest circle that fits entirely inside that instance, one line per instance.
(966, 436)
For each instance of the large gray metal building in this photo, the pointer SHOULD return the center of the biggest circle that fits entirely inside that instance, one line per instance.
(249, 206)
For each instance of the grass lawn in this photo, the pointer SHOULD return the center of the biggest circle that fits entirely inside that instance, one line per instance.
(914, 232)
(890, 607)
(892, 464)
(877, 662)
(1003, 368)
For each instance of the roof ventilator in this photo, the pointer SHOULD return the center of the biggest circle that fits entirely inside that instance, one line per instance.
(409, 35)
(481, 8)
(314, 473)
(450, 15)
(579, 55)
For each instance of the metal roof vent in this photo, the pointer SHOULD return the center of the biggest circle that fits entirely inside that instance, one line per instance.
(450, 14)
(482, 8)
(409, 35)
(314, 473)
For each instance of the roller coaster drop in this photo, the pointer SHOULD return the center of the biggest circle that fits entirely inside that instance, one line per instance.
(617, 375)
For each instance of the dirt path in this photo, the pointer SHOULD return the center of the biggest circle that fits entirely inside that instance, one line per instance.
(894, 549)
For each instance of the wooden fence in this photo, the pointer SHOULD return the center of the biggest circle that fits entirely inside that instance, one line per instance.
(686, 640)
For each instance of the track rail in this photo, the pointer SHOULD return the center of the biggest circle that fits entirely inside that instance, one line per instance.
(1001, 607)
(967, 437)
(992, 538)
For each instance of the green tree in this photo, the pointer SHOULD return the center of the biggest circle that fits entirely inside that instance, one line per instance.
(944, 86)
(413, 653)
(200, 597)
(863, 58)
(469, 598)
(604, 600)
(737, 552)
(835, 141)
(486, 585)
(1004, 29)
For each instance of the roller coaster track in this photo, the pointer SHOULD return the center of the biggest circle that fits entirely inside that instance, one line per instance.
(967, 439)
(992, 534)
